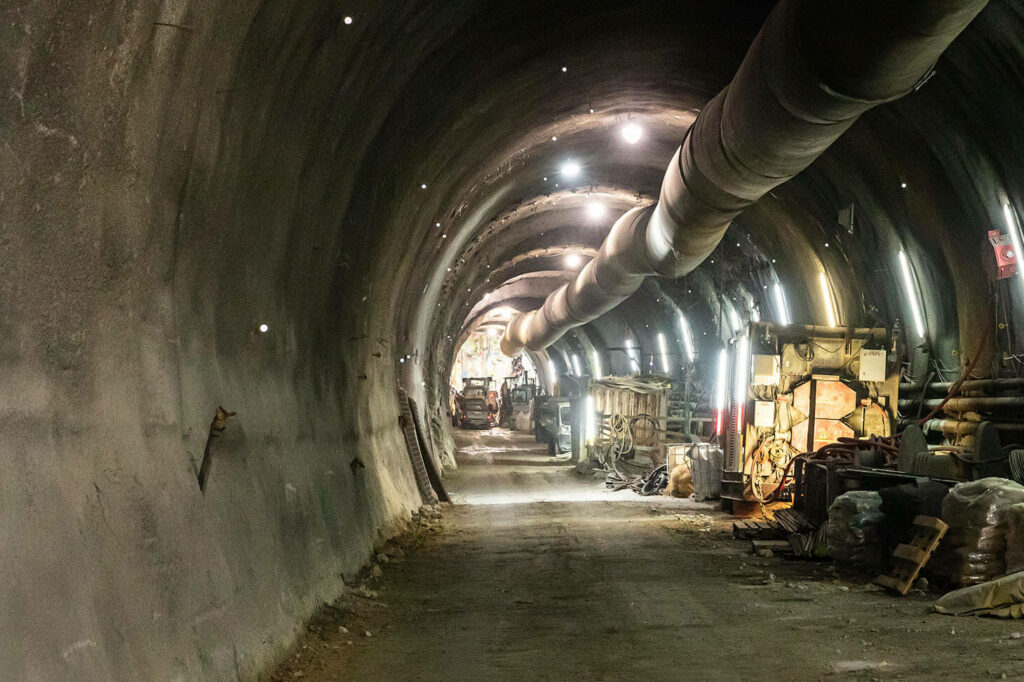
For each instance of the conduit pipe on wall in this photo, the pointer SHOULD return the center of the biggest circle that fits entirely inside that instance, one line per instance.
(814, 68)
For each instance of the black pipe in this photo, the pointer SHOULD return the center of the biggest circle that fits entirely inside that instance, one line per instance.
(972, 385)
(968, 403)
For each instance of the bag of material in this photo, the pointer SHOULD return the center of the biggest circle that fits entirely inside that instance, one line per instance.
(1002, 598)
(855, 532)
(974, 549)
(1015, 538)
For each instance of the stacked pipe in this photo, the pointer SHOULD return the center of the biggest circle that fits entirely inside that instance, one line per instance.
(814, 68)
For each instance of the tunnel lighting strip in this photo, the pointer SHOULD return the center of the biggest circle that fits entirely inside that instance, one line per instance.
(591, 421)
(1013, 227)
(742, 378)
(551, 373)
(576, 365)
(734, 321)
(597, 365)
(684, 326)
(780, 304)
(664, 352)
(911, 292)
(632, 356)
(826, 293)
(721, 386)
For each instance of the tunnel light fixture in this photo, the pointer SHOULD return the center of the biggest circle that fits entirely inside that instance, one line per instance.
(684, 327)
(423, 186)
(632, 132)
(742, 378)
(552, 374)
(734, 320)
(576, 365)
(664, 352)
(590, 431)
(564, 69)
(1013, 227)
(780, 304)
(264, 328)
(911, 292)
(348, 21)
(595, 210)
(826, 293)
(721, 387)
(573, 260)
(571, 169)
(633, 359)
(596, 369)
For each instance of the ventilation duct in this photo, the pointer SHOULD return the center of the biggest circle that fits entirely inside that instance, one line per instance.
(814, 68)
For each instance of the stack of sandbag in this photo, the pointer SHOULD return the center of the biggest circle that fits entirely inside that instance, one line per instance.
(974, 549)
(855, 531)
(1015, 538)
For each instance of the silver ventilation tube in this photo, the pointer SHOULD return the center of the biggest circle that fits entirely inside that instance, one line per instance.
(813, 69)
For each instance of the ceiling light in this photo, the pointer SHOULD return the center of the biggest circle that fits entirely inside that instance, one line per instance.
(742, 376)
(596, 369)
(423, 186)
(721, 386)
(576, 365)
(780, 304)
(570, 169)
(691, 353)
(554, 138)
(348, 21)
(264, 328)
(632, 356)
(552, 375)
(564, 69)
(734, 320)
(595, 210)
(573, 260)
(590, 431)
(632, 132)
(664, 352)
(826, 293)
(911, 292)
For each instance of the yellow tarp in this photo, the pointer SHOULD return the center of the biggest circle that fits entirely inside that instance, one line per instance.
(1000, 598)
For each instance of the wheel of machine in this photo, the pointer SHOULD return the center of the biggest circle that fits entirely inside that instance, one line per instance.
(911, 442)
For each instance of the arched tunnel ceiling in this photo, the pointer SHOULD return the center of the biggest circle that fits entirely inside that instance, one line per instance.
(790, 237)
(266, 207)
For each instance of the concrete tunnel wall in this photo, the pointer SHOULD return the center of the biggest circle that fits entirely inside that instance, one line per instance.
(174, 174)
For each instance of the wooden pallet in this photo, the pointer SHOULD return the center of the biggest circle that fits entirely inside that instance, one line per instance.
(762, 529)
(908, 560)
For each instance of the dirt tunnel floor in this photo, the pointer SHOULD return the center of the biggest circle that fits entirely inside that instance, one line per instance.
(538, 574)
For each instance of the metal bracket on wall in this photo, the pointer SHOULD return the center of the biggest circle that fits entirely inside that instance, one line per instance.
(217, 426)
